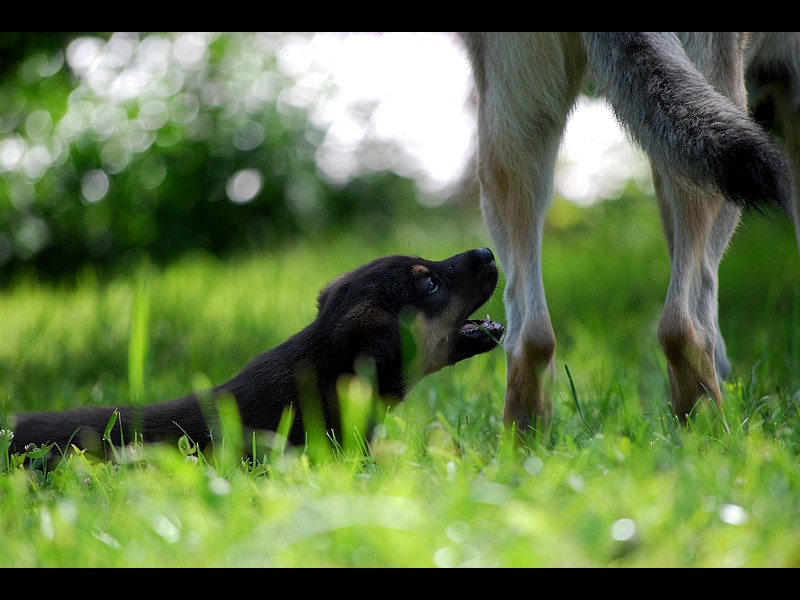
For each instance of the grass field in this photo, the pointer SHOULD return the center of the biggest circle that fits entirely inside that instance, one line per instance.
(614, 484)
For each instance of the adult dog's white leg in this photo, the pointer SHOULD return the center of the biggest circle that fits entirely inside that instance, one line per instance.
(527, 85)
(698, 226)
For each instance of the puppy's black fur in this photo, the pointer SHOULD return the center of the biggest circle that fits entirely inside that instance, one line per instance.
(362, 315)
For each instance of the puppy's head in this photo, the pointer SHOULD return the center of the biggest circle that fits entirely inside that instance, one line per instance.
(410, 315)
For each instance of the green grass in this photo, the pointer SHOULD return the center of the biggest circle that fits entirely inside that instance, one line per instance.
(614, 483)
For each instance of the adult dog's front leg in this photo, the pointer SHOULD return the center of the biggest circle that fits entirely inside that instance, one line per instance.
(517, 226)
(527, 84)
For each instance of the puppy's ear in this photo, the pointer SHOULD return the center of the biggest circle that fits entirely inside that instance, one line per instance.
(365, 328)
(326, 292)
(370, 330)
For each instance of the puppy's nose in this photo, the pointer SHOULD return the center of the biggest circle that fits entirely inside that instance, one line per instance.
(485, 255)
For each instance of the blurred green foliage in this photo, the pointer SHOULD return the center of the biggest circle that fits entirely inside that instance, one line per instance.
(114, 146)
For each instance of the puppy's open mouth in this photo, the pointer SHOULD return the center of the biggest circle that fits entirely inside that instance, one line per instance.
(485, 330)
(478, 336)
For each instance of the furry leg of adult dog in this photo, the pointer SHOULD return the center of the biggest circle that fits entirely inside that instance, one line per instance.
(699, 223)
(682, 99)
(527, 85)
(404, 315)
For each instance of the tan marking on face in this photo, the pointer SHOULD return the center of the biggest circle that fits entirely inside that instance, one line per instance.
(420, 270)
(435, 339)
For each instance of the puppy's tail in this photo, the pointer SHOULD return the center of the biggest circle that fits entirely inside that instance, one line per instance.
(93, 427)
(82, 426)
(685, 126)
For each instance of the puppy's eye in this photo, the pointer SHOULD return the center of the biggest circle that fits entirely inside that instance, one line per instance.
(431, 285)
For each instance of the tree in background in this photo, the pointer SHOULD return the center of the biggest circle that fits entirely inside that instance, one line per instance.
(118, 145)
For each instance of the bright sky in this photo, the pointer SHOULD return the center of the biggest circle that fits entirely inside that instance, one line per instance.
(420, 86)
(385, 100)
(400, 101)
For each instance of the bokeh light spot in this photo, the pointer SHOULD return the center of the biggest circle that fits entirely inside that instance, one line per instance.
(733, 514)
(623, 530)
(94, 185)
(82, 52)
(39, 125)
(11, 151)
(249, 136)
(244, 185)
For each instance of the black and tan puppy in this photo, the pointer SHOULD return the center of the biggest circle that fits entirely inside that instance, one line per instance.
(407, 316)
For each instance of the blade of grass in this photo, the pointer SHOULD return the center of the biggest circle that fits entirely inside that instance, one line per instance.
(577, 402)
(137, 345)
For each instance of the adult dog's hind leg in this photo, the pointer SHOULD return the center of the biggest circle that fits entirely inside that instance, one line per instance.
(698, 228)
(527, 85)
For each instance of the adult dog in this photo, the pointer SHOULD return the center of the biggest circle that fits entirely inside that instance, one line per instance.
(406, 316)
(682, 98)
